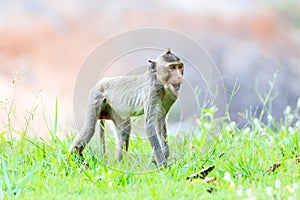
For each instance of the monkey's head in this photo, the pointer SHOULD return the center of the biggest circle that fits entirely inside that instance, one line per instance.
(169, 70)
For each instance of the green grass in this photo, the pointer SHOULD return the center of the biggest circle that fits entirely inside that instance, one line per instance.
(33, 169)
(42, 169)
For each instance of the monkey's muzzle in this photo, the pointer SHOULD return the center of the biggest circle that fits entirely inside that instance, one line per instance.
(176, 85)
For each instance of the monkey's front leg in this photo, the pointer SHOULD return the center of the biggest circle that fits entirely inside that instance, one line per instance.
(162, 133)
(150, 124)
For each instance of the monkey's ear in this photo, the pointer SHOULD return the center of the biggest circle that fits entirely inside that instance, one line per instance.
(152, 66)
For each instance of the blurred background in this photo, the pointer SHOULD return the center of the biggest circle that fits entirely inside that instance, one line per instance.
(47, 41)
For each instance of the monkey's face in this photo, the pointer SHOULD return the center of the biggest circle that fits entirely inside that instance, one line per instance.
(170, 70)
(175, 75)
(171, 75)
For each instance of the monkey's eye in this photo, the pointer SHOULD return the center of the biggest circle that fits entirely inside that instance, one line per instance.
(180, 67)
(172, 67)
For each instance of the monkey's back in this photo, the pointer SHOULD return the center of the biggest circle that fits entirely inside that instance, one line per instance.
(125, 95)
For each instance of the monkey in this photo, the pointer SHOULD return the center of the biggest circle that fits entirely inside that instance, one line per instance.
(119, 98)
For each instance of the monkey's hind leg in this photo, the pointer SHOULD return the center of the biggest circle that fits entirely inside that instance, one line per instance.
(93, 110)
(123, 134)
(102, 137)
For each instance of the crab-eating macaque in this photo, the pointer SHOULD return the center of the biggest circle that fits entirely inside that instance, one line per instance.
(119, 98)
